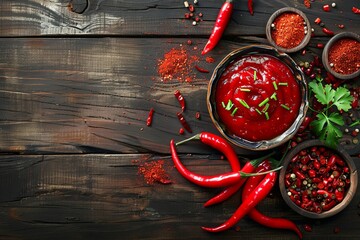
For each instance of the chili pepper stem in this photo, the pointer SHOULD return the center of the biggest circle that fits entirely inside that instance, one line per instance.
(257, 174)
(195, 137)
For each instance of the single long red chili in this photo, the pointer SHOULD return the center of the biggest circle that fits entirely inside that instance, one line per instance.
(219, 144)
(257, 216)
(180, 99)
(150, 117)
(222, 21)
(250, 7)
(184, 122)
(220, 180)
(256, 196)
(249, 167)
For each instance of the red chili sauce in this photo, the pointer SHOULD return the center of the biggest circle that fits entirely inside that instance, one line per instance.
(257, 97)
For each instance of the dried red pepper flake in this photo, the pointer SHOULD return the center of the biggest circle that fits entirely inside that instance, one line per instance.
(326, 8)
(210, 59)
(307, 3)
(355, 10)
(288, 31)
(200, 69)
(154, 171)
(328, 31)
(197, 115)
(181, 131)
(320, 45)
(317, 21)
(341, 26)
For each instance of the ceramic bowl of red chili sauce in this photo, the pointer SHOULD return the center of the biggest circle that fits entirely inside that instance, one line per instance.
(257, 97)
(288, 29)
(317, 181)
(341, 55)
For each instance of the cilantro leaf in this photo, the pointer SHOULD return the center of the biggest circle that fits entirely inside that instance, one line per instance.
(327, 128)
(324, 95)
(342, 99)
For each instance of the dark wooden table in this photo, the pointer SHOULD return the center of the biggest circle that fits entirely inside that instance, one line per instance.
(77, 81)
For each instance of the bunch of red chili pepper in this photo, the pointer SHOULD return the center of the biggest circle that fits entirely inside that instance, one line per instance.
(257, 176)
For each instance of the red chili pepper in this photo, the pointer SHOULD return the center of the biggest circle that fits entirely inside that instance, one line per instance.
(250, 7)
(180, 99)
(150, 117)
(249, 167)
(220, 180)
(257, 216)
(184, 122)
(355, 10)
(256, 196)
(202, 70)
(304, 124)
(328, 32)
(222, 21)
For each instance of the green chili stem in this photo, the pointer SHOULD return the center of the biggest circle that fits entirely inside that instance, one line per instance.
(257, 174)
(195, 137)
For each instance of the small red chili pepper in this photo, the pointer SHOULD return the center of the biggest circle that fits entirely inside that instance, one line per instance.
(317, 21)
(326, 8)
(355, 10)
(150, 117)
(220, 180)
(184, 122)
(180, 99)
(339, 195)
(222, 21)
(329, 205)
(250, 7)
(328, 32)
(320, 45)
(256, 196)
(202, 70)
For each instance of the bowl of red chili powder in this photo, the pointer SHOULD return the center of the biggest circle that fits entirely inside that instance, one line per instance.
(317, 181)
(341, 55)
(288, 29)
(257, 97)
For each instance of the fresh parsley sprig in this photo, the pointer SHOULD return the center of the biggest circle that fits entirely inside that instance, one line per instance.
(328, 122)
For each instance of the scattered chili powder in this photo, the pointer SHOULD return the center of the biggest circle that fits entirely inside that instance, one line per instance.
(288, 31)
(210, 59)
(154, 171)
(177, 64)
(344, 55)
(307, 3)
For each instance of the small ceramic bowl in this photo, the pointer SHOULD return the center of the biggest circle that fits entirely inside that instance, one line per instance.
(212, 88)
(307, 26)
(325, 55)
(320, 199)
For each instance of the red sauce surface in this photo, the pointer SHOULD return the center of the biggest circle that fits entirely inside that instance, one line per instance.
(239, 83)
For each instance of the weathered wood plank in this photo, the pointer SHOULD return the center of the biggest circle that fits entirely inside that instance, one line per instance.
(156, 17)
(102, 196)
(93, 95)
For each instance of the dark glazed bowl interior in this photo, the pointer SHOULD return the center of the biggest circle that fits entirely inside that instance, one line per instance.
(211, 93)
(325, 55)
(306, 38)
(350, 192)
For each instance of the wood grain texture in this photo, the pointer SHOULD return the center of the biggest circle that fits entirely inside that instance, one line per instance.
(155, 17)
(102, 196)
(91, 95)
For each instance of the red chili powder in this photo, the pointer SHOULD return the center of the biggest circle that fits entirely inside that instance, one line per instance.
(177, 64)
(344, 55)
(288, 31)
(154, 171)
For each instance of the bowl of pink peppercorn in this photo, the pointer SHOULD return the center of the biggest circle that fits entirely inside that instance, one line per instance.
(317, 181)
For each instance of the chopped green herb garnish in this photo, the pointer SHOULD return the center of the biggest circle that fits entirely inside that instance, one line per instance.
(266, 107)
(286, 107)
(355, 123)
(273, 96)
(234, 111)
(244, 103)
(264, 102)
(255, 76)
(275, 85)
(267, 115)
(223, 104)
(283, 83)
(244, 89)
(258, 111)
(229, 105)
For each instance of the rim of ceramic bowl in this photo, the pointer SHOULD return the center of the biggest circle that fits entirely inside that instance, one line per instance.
(211, 105)
(306, 38)
(325, 55)
(350, 192)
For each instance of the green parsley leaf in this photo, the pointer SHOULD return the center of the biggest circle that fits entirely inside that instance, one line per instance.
(324, 95)
(342, 99)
